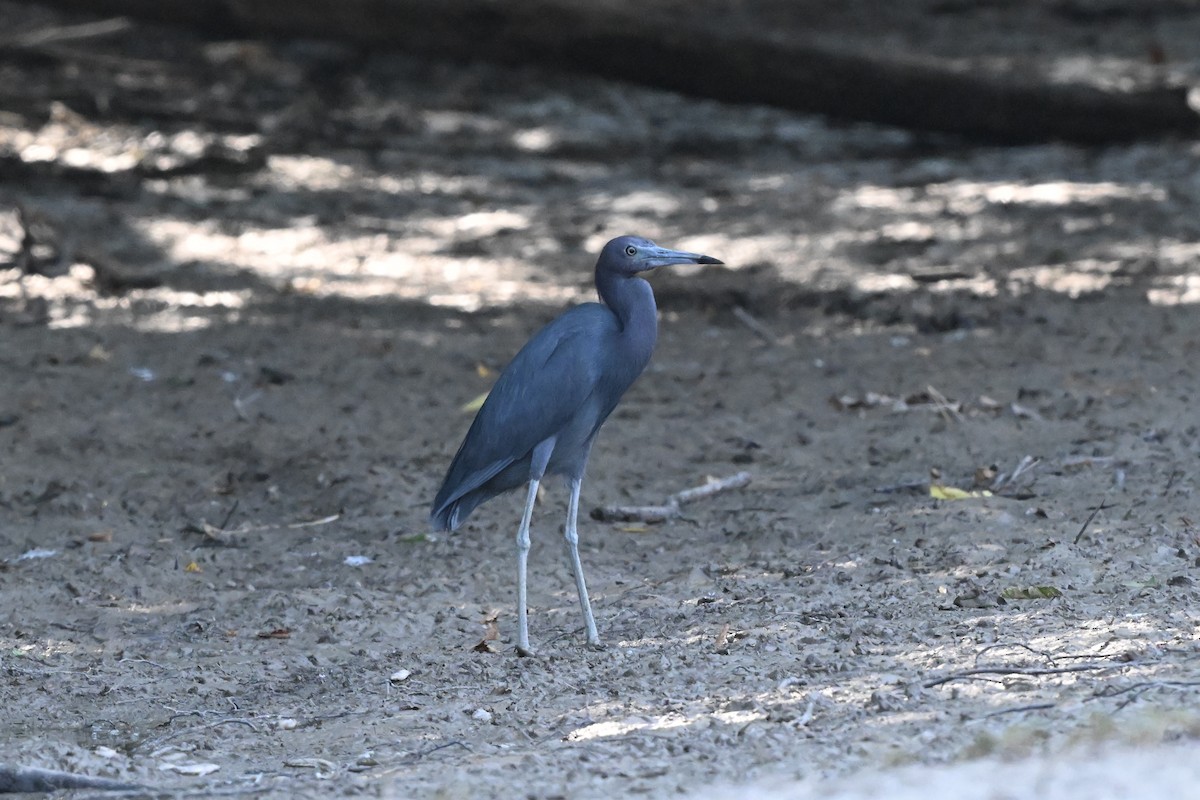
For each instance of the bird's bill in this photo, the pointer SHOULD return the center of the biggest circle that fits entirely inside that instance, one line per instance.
(662, 257)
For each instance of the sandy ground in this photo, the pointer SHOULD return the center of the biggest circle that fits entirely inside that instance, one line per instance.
(228, 393)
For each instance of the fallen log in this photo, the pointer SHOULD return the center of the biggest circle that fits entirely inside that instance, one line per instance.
(28, 780)
(731, 63)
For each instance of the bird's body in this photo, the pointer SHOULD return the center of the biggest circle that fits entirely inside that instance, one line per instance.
(546, 408)
(563, 384)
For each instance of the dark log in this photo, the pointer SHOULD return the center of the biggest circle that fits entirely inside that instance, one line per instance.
(738, 65)
(26, 780)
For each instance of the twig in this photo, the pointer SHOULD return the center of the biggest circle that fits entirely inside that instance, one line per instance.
(312, 523)
(228, 538)
(255, 786)
(1026, 464)
(943, 404)
(224, 526)
(1078, 462)
(905, 486)
(242, 404)
(417, 756)
(1083, 528)
(757, 328)
(1140, 687)
(198, 728)
(710, 488)
(807, 716)
(140, 661)
(1000, 645)
(671, 509)
(971, 674)
(55, 34)
(722, 643)
(1019, 709)
(650, 514)
(16, 780)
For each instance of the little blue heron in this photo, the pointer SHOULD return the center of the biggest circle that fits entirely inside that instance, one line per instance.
(548, 404)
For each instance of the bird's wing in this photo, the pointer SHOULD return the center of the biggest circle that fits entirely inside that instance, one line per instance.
(544, 385)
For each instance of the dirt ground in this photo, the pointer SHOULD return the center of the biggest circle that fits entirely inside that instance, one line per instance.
(261, 280)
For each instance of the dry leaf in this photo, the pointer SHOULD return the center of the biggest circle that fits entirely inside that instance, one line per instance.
(722, 642)
(491, 634)
(985, 475)
(1030, 593)
(99, 354)
(191, 769)
(1025, 412)
(974, 601)
(939, 492)
(278, 633)
(474, 405)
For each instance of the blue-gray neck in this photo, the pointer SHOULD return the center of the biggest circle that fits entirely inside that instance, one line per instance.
(632, 301)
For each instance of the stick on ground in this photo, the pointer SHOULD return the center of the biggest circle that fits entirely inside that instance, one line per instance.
(670, 509)
(19, 780)
(970, 674)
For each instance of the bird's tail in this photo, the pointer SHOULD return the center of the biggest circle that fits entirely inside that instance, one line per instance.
(444, 518)
(454, 512)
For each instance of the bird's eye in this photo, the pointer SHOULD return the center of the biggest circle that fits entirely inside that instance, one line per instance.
(631, 250)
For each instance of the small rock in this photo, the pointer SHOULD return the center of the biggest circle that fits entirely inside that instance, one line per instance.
(191, 769)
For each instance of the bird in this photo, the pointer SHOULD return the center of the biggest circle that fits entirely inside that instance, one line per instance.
(544, 411)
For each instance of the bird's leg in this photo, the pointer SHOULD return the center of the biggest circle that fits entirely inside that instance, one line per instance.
(523, 647)
(572, 536)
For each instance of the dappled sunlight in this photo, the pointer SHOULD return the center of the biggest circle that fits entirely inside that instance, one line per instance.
(1176, 290)
(885, 283)
(59, 290)
(16, 649)
(1052, 193)
(901, 644)
(464, 191)
(309, 259)
(467, 234)
(72, 140)
(910, 683)
(1073, 279)
(314, 173)
(972, 197)
(650, 723)
(535, 140)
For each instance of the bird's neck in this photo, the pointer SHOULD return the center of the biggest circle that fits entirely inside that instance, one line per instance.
(632, 301)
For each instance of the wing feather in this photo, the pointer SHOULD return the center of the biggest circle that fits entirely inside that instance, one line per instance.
(538, 393)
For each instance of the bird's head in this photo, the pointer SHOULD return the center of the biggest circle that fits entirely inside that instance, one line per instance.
(630, 255)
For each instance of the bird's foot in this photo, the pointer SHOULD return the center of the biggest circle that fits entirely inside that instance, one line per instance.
(596, 644)
(525, 651)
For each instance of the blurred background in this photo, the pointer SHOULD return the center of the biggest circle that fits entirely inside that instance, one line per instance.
(258, 258)
(471, 154)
